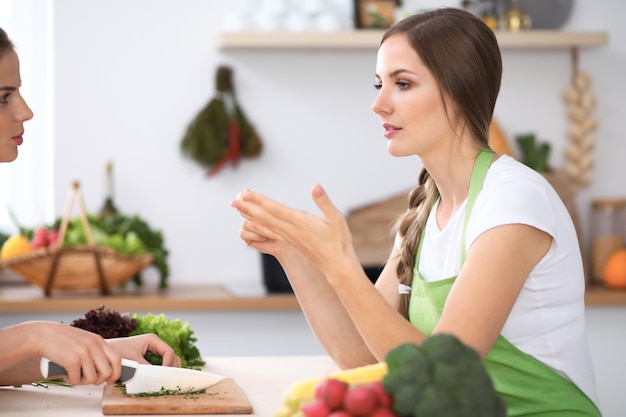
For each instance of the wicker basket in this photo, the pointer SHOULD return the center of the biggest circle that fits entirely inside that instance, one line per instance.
(77, 268)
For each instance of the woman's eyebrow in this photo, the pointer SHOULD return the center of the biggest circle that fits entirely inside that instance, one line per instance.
(397, 72)
(400, 71)
(7, 88)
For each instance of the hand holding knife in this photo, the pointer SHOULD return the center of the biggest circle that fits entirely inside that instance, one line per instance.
(142, 378)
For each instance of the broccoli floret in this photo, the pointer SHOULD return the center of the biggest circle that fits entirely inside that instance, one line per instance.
(436, 402)
(406, 399)
(443, 377)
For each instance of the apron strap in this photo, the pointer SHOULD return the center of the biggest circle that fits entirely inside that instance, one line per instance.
(479, 172)
(481, 166)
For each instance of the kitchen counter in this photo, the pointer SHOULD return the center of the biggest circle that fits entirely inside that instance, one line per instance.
(264, 381)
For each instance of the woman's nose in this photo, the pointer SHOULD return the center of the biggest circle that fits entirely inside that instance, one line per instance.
(379, 106)
(24, 112)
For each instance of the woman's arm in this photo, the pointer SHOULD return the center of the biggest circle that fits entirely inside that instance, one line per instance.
(87, 357)
(317, 255)
(486, 289)
(497, 265)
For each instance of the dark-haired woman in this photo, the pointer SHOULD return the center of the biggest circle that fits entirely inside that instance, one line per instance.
(87, 357)
(486, 250)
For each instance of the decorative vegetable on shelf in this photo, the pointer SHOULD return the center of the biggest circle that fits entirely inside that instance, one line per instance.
(221, 133)
(534, 155)
(580, 101)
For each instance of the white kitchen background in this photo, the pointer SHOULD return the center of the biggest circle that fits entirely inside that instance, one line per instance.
(120, 81)
(124, 79)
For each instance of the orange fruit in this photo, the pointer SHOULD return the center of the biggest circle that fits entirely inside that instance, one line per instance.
(14, 246)
(614, 272)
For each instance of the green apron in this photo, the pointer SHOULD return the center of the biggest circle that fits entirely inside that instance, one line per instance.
(527, 386)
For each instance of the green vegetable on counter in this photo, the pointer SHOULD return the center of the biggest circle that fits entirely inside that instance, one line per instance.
(443, 377)
(177, 334)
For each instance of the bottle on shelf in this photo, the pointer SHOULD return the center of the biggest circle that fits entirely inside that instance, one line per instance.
(608, 233)
(108, 208)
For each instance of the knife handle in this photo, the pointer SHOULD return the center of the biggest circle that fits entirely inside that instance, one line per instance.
(49, 368)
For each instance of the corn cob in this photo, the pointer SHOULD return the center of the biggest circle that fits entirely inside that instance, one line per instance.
(304, 391)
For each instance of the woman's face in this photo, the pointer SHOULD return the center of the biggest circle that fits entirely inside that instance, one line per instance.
(13, 109)
(409, 102)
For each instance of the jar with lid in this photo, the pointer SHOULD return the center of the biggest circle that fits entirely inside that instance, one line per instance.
(608, 233)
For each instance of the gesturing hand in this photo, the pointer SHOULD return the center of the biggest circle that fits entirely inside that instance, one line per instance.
(324, 240)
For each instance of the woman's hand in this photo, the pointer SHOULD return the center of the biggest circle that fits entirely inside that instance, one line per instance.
(135, 347)
(270, 227)
(86, 357)
(277, 248)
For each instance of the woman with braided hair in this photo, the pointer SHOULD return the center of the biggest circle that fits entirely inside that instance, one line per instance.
(486, 251)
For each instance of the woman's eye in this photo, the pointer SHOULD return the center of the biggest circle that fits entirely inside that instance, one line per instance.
(378, 86)
(5, 98)
(403, 85)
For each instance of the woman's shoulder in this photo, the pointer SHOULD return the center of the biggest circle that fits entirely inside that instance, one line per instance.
(515, 193)
(509, 174)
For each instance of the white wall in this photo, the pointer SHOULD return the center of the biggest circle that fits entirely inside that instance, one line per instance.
(131, 75)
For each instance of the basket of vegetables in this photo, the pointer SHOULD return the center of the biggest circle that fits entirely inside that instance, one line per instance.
(75, 255)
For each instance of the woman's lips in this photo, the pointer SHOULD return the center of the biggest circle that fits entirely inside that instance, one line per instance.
(390, 129)
(18, 139)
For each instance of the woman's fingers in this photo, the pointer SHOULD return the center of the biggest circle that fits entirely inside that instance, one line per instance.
(249, 236)
(266, 217)
(322, 201)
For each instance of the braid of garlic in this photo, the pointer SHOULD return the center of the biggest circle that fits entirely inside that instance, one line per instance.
(580, 102)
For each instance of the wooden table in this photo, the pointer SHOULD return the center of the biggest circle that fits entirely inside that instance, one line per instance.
(264, 381)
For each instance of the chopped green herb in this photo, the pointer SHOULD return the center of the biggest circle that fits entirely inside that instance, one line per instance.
(165, 391)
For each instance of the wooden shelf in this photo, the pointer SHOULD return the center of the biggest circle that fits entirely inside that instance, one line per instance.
(31, 299)
(600, 296)
(361, 39)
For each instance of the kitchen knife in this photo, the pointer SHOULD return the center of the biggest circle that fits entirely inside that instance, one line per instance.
(142, 378)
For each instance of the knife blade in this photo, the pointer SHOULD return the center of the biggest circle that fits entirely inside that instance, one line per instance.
(142, 378)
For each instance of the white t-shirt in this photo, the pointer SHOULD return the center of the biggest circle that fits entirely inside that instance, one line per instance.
(548, 318)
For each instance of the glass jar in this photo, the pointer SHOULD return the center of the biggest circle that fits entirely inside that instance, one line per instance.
(608, 233)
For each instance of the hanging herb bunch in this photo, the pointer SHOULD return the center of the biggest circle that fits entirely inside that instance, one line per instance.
(221, 133)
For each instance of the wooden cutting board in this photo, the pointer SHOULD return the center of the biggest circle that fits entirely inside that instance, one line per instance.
(223, 398)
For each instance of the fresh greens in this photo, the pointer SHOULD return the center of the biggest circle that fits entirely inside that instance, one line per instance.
(122, 241)
(129, 235)
(135, 228)
(191, 394)
(107, 323)
(175, 333)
